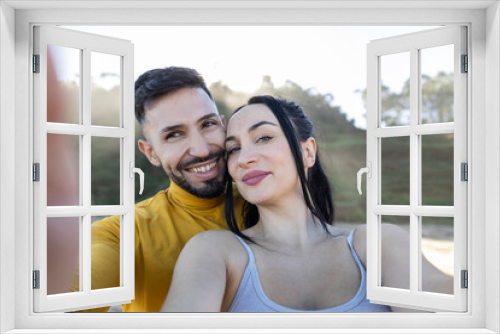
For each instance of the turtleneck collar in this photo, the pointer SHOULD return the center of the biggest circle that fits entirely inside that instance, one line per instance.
(182, 198)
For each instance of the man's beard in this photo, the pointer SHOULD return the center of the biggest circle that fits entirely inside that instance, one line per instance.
(211, 188)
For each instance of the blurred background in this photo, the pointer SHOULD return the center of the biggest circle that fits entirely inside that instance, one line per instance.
(321, 68)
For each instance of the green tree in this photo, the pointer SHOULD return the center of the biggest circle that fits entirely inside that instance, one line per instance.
(437, 98)
(328, 118)
(437, 101)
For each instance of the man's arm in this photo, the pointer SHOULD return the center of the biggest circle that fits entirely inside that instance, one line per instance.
(199, 280)
(105, 257)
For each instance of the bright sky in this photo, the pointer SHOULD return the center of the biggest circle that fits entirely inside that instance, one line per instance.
(330, 59)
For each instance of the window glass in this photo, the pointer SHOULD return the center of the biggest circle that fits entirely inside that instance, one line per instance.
(63, 84)
(395, 89)
(106, 248)
(63, 169)
(437, 170)
(395, 171)
(105, 89)
(437, 248)
(105, 171)
(63, 246)
(437, 84)
(388, 255)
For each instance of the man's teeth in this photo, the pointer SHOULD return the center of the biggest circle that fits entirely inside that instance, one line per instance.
(204, 169)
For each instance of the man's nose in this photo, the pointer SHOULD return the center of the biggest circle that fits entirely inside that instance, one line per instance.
(199, 146)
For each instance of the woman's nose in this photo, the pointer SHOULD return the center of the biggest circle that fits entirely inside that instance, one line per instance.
(246, 157)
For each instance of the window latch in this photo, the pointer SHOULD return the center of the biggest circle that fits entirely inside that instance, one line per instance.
(133, 170)
(368, 171)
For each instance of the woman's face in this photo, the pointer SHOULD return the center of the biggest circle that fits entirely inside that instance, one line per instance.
(259, 157)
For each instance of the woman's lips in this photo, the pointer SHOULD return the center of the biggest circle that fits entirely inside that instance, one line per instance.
(254, 177)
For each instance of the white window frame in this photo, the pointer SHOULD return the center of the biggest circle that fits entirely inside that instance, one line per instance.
(85, 43)
(375, 133)
(483, 21)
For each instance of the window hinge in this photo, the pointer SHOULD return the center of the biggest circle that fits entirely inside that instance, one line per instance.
(36, 279)
(36, 63)
(465, 279)
(465, 64)
(36, 172)
(464, 172)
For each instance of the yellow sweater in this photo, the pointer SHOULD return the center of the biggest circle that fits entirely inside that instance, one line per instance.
(163, 225)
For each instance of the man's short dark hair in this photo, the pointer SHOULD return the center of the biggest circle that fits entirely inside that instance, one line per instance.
(156, 83)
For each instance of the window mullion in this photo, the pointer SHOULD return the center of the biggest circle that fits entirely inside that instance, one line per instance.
(86, 168)
(460, 155)
(415, 159)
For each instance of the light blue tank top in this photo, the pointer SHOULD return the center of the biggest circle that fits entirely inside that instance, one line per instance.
(250, 296)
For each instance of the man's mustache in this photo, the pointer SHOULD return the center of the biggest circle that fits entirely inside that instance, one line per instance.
(196, 160)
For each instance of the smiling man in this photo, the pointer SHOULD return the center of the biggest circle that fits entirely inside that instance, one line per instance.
(184, 135)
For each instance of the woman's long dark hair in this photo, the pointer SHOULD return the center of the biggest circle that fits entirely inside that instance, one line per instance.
(297, 128)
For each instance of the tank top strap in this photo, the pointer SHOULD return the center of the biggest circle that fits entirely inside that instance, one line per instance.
(350, 238)
(251, 258)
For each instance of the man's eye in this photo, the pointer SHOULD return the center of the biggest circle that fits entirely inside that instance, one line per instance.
(209, 124)
(172, 135)
(264, 139)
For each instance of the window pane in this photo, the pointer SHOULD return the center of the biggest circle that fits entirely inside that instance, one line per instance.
(395, 171)
(105, 89)
(437, 170)
(63, 170)
(63, 84)
(105, 171)
(105, 252)
(395, 89)
(402, 280)
(437, 248)
(437, 84)
(63, 254)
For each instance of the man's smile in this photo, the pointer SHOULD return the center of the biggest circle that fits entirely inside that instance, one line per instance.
(207, 170)
(202, 169)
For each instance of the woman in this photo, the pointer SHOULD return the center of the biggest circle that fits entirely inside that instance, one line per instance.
(290, 257)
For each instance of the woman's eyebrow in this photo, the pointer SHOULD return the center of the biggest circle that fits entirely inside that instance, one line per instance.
(230, 138)
(255, 126)
(252, 128)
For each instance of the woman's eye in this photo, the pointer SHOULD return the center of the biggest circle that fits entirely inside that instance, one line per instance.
(232, 150)
(264, 139)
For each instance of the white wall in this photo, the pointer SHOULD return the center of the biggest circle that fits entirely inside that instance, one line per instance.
(7, 161)
(22, 167)
(492, 163)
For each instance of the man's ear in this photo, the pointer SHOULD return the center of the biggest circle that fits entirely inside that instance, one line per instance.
(147, 149)
(309, 152)
(223, 120)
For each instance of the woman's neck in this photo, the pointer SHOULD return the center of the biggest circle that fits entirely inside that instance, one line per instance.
(289, 225)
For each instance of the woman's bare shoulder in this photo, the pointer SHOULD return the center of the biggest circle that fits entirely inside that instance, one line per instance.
(215, 241)
(212, 235)
(391, 235)
(359, 243)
